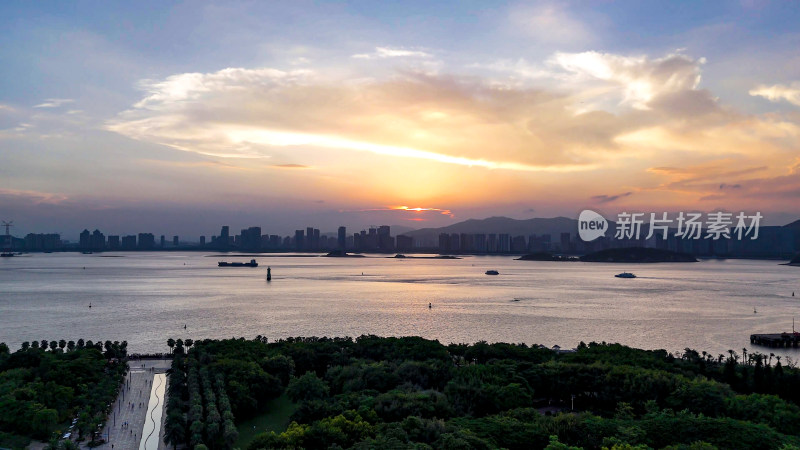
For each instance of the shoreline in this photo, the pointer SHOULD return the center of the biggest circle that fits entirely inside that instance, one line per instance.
(312, 254)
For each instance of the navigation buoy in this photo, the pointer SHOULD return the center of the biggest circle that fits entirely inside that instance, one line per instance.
(430, 305)
(269, 274)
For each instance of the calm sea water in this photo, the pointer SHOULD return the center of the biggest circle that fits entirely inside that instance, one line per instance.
(145, 298)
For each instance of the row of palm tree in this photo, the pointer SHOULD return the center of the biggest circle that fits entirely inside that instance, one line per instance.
(63, 344)
(177, 346)
(747, 359)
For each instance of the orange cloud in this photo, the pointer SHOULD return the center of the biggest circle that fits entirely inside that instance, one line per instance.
(417, 210)
(445, 212)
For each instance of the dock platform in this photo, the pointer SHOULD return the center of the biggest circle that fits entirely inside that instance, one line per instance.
(780, 340)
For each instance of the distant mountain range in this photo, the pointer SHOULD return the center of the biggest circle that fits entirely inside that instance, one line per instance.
(794, 225)
(515, 227)
(401, 229)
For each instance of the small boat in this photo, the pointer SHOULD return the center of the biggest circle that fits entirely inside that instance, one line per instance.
(6, 255)
(252, 263)
(492, 272)
(625, 275)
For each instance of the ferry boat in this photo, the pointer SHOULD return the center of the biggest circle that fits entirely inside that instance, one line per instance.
(625, 275)
(492, 272)
(252, 263)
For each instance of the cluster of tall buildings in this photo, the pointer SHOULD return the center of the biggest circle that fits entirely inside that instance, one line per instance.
(43, 241)
(96, 241)
(502, 243)
(376, 239)
(773, 242)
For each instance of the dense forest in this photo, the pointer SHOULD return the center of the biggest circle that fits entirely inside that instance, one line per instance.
(46, 385)
(374, 392)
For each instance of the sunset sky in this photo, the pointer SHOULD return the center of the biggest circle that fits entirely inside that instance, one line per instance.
(179, 117)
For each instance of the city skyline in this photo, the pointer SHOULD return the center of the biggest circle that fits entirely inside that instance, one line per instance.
(691, 234)
(133, 117)
(20, 230)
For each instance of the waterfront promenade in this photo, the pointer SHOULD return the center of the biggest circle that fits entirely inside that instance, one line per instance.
(125, 424)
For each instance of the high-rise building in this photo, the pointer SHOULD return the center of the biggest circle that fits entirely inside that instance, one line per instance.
(175, 241)
(250, 239)
(467, 242)
(480, 243)
(565, 247)
(518, 244)
(385, 240)
(504, 243)
(370, 243)
(202, 240)
(404, 243)
(224, 238)
(547, 242)
(299, 243)
(444, 243)
(309, 242)
(113, 242)
(147, 241)
(491, 243)
(129, 242)
(46, 242)
(163, 241)
(455, 242)
(274, 241)
(97, 241)
(342, 238)
(85, 241)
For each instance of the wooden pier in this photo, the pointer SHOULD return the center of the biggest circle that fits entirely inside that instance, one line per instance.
(780, 340)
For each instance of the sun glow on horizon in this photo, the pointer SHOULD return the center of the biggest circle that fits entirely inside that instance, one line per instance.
(445, 212)
(415, 210)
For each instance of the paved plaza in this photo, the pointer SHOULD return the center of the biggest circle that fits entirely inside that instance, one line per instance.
(123, 430)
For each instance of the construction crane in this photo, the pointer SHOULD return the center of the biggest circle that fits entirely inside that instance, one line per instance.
(7, 246)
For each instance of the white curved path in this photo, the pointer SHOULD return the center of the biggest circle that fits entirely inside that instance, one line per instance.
(155, 409)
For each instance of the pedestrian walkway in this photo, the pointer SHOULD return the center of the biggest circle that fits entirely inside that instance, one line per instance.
(155, 409)
(125, 425)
